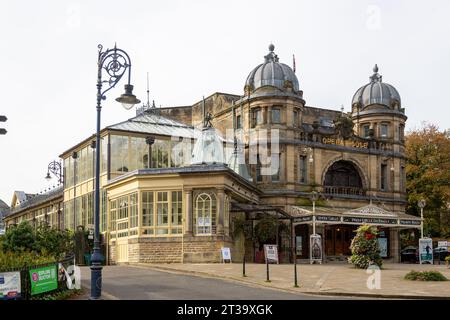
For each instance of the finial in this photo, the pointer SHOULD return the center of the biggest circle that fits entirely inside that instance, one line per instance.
(375, 69)
(271, 47)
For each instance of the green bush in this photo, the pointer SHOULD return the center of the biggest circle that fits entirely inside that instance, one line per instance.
(426, 276)
(364, 247)
(41, 240)
(19, 260)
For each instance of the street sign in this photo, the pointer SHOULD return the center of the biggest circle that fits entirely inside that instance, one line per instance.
(10, 285)
(315, 248)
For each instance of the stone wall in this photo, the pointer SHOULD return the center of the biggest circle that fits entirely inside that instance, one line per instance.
(169, 250)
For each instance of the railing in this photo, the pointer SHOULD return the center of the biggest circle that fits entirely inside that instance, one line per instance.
(353, 191)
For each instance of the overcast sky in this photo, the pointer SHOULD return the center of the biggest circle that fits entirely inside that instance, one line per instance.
(48, 54)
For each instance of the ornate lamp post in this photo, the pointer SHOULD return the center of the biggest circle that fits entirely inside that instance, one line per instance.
(421, 205)
(55, 168)
(115, 63)
(314, 196)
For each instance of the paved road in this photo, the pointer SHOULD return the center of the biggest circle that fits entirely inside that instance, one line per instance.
(131, 283)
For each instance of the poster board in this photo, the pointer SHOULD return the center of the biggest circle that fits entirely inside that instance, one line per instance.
(315, 248)
(43, 279)
(383, 245)
(10, 285)
(226, 254)
(271, 253)
(425, 250)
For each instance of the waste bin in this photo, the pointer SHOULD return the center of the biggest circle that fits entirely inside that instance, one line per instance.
(87, 259)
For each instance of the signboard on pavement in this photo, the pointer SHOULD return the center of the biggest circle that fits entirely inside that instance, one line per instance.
(43, 279)
(426, 250)
(315, 248)
(271, 253)
(382, 244)
(226, 254)
(9, 285)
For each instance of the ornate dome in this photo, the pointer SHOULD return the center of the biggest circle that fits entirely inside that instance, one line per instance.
(272, 73)
(376, 92)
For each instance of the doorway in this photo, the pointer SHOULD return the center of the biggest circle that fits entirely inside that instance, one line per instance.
(338, 239)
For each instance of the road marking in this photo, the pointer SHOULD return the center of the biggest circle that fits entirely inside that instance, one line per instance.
(322, 280)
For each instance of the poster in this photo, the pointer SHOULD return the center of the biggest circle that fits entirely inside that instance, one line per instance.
(425, 250)
(383, 245)
(271, 253)
(226, 254)
(298, 245)
(9, 285)
(315, 248)
(43, 279)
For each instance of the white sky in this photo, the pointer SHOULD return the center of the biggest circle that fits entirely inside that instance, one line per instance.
(48, 52)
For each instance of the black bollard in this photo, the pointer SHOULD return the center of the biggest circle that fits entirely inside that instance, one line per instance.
(267, 270)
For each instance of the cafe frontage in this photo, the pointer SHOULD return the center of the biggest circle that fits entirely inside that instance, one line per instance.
(337, 227)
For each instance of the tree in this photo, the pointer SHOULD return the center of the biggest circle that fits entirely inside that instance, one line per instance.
(428, 177)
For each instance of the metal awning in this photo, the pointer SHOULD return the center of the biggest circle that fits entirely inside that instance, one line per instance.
(258, 209)
(369, 214)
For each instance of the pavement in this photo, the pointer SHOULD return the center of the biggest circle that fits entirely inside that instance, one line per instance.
(224, 281)
(326, 279)
(126, 282)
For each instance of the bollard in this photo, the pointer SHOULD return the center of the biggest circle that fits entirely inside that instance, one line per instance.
(243, 267)
(295, 273)
(267, 270)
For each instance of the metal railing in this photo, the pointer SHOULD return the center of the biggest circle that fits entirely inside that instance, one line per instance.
(354, 191)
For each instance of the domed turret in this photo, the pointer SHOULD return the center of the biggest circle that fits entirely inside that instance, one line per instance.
(376, 92)
(272, 73)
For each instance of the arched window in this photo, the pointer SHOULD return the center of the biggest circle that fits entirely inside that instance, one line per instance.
(205, 214)
(343, 178)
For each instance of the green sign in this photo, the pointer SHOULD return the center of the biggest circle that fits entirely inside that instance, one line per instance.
(43, 279)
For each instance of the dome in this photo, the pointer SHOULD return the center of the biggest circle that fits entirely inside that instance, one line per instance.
(272, 73)
(208, 149)
(376, 92)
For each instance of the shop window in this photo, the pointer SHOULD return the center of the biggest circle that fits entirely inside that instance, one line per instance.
(133, 211)
(205, 214)
(147, 209)
(177, 208)
(113, 215)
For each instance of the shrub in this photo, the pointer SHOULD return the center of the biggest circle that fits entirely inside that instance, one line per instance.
(364, 247)
(42, 240)
(426, 276)
(19, 260)
(19, 238)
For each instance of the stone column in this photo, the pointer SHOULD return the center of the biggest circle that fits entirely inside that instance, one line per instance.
(188, 213)
(394, 246)
(220, 211)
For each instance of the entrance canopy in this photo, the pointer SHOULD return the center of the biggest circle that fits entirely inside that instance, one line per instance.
(255, 210)
(369, 214)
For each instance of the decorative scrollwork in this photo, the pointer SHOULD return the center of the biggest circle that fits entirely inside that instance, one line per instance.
(115, 63)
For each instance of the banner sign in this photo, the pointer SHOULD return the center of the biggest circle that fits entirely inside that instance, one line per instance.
(370, 220)
(426, 250)
(43, 279)
(10, 285)
(226, 254)
(383, 245)
(271, 253)
(328, 218)
(315, 248)
(410, 222)
(302, 219)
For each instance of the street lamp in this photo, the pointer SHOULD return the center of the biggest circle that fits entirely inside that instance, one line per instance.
(421, 205)
(314, 196)
(115, 63)
(56, 169)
